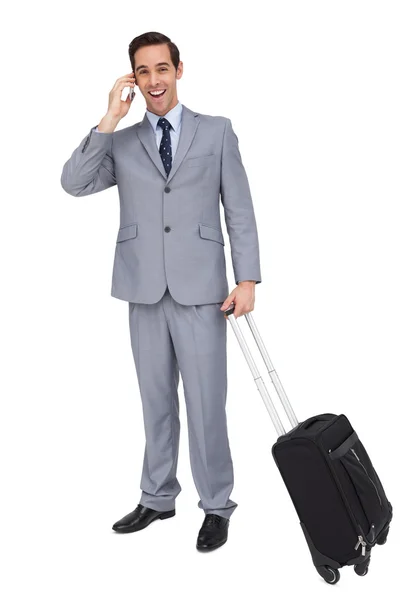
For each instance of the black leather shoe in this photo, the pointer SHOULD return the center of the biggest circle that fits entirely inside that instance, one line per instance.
(140, 518)
(213, 533)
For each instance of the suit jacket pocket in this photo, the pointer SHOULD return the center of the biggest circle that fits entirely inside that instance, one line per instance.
(211, 233)
(127, 232)
(200, 161)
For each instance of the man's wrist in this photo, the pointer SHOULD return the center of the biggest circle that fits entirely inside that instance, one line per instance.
(108, 124)
(247, 281)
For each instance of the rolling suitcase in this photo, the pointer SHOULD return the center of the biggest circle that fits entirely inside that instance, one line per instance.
(337, 494)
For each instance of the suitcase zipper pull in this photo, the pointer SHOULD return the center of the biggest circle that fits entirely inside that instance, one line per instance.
(363, 544)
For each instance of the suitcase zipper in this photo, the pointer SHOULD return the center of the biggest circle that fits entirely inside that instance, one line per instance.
(356, 525)
(363, 544)
(366, 472)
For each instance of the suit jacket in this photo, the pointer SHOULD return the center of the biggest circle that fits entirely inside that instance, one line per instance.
(170, 229)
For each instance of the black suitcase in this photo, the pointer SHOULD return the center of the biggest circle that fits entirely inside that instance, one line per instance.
(337, 494)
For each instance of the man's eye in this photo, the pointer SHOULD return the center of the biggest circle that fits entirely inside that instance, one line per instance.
(162, 69)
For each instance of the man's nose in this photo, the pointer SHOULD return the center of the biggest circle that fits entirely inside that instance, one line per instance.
(154, 79)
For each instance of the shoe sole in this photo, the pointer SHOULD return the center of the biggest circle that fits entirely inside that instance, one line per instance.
(203, 549)
(166, 515)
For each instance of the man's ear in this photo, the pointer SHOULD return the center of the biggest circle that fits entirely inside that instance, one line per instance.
(179, 71)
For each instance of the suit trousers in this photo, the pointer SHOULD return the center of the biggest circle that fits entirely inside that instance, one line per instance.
(169, 339)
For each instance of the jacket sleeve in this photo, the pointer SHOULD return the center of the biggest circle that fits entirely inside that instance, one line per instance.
(90, 168)
(238, 210)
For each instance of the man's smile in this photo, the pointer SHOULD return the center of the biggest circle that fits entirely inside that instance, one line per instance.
(157, 93)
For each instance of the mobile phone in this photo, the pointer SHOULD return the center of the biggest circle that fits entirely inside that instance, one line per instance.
(132, 92)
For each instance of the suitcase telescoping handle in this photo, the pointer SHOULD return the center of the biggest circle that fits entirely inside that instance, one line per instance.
(256, 375)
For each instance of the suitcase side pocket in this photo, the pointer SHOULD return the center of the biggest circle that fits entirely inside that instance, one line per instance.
(361, 484)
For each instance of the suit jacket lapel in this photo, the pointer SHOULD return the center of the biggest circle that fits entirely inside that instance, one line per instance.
(189, 124)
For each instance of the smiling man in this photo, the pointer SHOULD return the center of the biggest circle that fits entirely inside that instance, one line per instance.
(172, 168)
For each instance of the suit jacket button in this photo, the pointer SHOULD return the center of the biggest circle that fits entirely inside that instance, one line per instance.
(167, 228)
(167, 190)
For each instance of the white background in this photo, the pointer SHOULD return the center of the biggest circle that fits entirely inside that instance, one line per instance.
(312, 89)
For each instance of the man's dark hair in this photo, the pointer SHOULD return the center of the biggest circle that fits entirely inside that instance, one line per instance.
(149, 39)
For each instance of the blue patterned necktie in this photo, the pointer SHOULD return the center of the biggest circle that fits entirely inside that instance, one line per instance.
(165, 146)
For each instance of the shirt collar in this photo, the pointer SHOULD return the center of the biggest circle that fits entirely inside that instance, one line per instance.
(174, 116)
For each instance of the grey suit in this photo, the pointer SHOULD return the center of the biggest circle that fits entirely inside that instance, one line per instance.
(169, 264)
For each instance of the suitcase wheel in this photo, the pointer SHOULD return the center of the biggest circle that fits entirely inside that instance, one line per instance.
(362, 568)
(329, 574)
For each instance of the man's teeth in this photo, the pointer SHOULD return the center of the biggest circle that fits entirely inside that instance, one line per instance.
(156, 93)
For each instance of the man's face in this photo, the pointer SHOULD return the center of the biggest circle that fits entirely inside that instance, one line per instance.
(154, 71)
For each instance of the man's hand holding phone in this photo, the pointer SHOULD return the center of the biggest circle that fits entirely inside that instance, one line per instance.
(117, 108)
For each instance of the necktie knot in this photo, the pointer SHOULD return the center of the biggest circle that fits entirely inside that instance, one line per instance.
(164, 124)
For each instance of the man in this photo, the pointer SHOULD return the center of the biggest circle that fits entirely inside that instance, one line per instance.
(169, 265)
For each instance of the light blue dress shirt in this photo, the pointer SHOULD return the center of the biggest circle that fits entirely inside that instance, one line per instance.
(174, 116)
